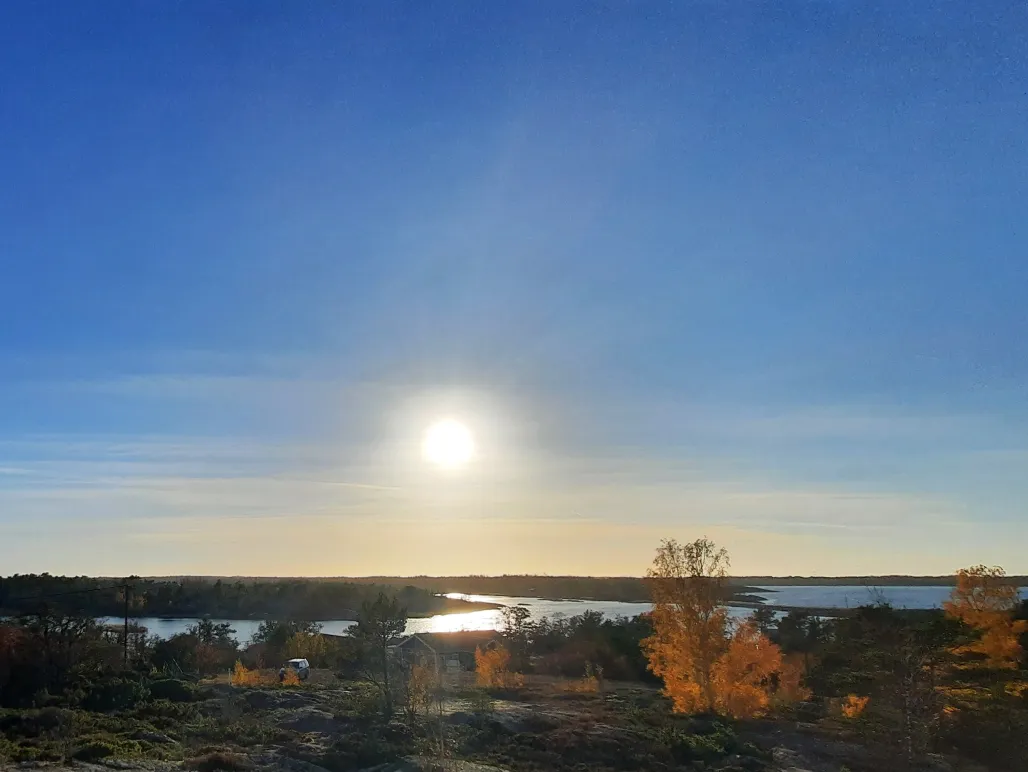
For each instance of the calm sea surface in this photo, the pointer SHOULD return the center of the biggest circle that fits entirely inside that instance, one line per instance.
(850, 596)
(815, 596)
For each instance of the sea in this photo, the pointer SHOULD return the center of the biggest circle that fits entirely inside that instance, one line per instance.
(817, 596)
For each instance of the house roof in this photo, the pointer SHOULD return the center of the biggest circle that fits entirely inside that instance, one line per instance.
(449, 643)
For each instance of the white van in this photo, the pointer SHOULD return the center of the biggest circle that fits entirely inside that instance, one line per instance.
(301, 667)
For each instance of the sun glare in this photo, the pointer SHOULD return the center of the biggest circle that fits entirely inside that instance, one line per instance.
(448, 443)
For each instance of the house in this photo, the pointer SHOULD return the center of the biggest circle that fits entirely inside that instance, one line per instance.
(450, 652)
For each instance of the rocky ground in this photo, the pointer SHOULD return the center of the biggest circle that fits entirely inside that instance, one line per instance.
(329, 725)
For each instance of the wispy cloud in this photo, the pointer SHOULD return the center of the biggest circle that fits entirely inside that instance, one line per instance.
(621, 472)
(184, 492)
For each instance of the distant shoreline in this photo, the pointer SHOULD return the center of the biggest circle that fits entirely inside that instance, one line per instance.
(330, 599)
(857, 581)
(890, 580)
(345, 615)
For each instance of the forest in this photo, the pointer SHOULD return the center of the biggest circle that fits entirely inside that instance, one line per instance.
(312, 599)
(628, 589)
(303, 598)
(340, 598)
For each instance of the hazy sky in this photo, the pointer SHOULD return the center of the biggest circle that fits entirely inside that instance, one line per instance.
(752, 270)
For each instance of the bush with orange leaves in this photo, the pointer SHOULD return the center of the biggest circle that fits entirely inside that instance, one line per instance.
(244, 676)
(491, 669)
(986, 601)
(853, 706)
(590, 683)
(752, 675)
(706, 665)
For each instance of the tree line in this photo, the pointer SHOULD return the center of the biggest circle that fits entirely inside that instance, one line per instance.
(626, 589)
(314, 599)
(891, 580)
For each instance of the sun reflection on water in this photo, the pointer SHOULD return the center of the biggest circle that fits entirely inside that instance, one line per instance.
(488, 619)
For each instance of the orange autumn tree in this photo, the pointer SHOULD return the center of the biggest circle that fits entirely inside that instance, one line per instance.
(707, 666)
(985, 600)
(743, 675)
(690, 621)
(492, 668)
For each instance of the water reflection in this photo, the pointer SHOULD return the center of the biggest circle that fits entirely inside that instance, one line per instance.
(452, 623)
(488, 619)
(566, 607)
(246, 628)
(851, 596)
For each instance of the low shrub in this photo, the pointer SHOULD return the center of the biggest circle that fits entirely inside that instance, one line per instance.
(369, 748)
(248, 732)
(92, 751)
(33, 723)
(116, 693)
(216, 761)
(26, 750)
(712, 742)
(481, 702)
(162, 711)
(7, 749)
(854, 706)
(363, 700)
(244, 676)
(585, 685)
(171, 689)
(104, 746)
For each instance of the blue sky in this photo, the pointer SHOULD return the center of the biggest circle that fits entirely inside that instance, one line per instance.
(750, 270)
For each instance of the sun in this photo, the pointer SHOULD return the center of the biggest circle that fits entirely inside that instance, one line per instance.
(448, 443)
